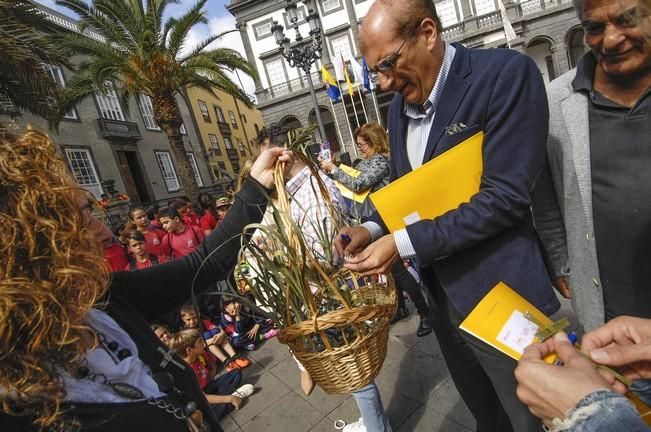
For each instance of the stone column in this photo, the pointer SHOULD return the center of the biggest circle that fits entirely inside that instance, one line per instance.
(352, 19)
(241, 26)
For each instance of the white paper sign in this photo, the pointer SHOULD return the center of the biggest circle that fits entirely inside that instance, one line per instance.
(518, 332)
(411, 218)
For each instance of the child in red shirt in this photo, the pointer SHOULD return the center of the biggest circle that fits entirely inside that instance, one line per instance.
(181, 239)
(153, 236)
(116, 256)
(183, 205)
(220, 391)
(140, 258)
(214, 337)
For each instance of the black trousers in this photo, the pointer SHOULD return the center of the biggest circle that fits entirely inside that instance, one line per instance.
(482, 375)
(406, 282)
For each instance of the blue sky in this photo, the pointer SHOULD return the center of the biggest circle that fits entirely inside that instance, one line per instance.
(219, 20)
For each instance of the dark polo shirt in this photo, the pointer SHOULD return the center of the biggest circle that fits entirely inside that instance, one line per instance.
(620, 158)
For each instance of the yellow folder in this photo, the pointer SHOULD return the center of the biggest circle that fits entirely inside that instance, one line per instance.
(500, 320)
(347, 193)
(438, 186)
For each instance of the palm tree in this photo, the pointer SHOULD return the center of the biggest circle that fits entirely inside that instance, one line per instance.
(144, 55)
(25, 47)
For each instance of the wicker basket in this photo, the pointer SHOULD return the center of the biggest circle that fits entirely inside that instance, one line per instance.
(343, 364)
(337, 322)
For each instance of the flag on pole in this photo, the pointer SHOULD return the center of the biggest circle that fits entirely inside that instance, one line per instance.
(351, 90)
(331, 85)
(358, 71)
(368, 84)
(339, 71)
(508, 28)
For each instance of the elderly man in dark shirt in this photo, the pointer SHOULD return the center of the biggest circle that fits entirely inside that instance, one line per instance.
(593, 205)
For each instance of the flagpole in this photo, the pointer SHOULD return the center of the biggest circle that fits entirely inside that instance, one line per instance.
(359, 93)
(350, 129)
(334, 114)
(377, 111)
(352, 100)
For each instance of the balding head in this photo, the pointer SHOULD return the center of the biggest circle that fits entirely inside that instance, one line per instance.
(396, 17)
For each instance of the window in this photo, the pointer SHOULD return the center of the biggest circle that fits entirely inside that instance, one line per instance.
(231, 115)
(109, 105)
(228, 143)
(236, 167)
(214, 145)
(341, 44)
(195, 168)
(484, 6)
(257, 128)
(83, 168)
(57, 75)
(330, 5)
(183, 131)
(447, 13)
(204, 111)
(167, 169)
(262, 29)
(220, 114)
(243, 118)
(277, 77)
(147, 111)
(240, 145)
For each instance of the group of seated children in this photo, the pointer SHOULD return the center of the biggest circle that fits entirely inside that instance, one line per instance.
(200, 342)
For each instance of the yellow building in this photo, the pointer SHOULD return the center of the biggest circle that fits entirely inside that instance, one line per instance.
(227, 129)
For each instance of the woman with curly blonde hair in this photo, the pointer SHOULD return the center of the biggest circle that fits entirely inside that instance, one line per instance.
(77, 352)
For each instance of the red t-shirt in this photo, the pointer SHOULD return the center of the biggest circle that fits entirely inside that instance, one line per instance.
(145, 264)
(191, 219)
(116, 256)
(154, 239)
(208, 221)
(202, 366)
(182, 244)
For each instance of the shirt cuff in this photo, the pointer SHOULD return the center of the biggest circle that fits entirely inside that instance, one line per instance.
(374, 228)
(405, 248)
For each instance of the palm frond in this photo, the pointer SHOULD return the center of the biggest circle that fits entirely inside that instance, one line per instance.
(179, 31)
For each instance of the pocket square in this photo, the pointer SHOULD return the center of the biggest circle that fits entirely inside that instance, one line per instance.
(455, 128)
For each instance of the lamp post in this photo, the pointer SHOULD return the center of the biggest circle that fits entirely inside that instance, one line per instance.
(303, 53)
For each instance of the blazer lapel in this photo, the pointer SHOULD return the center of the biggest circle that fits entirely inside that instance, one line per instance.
(399, 150)
(575, 113)
(453, 92)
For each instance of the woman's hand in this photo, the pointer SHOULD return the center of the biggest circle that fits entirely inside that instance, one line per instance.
(264, 165)
(327, 165)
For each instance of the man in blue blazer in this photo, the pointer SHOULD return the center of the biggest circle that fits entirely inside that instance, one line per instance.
(445, 94)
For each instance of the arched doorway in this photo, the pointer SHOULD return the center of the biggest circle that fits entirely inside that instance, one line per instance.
(290, 122)
(330, 127)
(576, 46)
(540, 51)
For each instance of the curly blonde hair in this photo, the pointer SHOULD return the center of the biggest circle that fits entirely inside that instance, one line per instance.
(51, 273)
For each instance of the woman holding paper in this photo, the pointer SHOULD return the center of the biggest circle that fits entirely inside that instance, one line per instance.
(373, 143)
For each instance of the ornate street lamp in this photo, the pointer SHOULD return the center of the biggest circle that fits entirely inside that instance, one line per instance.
(303, 53)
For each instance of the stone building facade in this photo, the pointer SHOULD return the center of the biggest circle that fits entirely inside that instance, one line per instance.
(547, 30)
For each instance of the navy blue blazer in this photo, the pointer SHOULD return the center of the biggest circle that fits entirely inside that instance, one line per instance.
(491, 238)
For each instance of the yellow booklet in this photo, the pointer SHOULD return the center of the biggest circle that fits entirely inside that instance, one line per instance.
(438, 186)
(500, 319)
(347, 193)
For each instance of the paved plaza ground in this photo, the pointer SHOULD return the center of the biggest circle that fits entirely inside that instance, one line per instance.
(416, 389)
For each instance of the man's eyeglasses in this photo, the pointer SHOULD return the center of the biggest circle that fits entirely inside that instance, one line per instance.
(387, 65)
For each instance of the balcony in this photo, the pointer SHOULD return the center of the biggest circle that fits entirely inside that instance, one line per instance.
(121, 130)
(295, 85)
(232, 154)
(224, 128)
